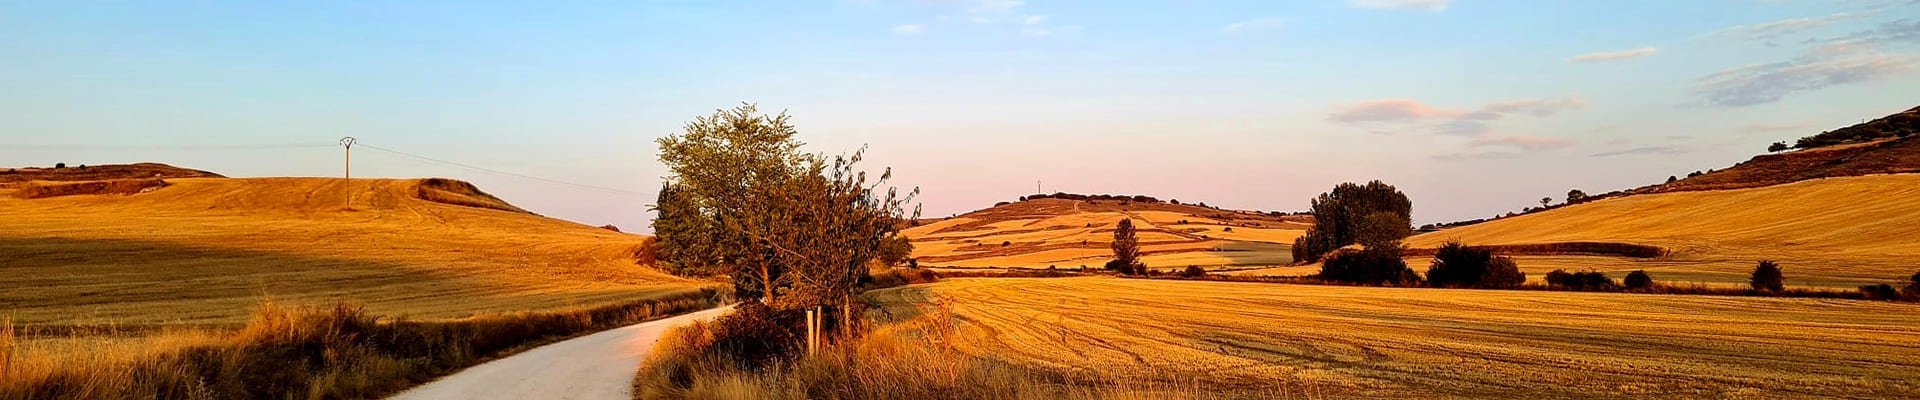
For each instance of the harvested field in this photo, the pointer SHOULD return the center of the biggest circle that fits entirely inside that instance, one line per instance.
(1069, 233)
(1362, 342)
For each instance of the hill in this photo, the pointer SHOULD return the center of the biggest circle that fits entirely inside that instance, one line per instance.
(1838, 232)
(1070, 232)
(1883, 156)
(208, 250)
(1901, 124)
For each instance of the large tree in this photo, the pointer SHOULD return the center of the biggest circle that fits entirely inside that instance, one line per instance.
(792, 229)
(1372, 214)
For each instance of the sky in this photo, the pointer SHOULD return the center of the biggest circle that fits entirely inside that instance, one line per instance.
(1471, 107)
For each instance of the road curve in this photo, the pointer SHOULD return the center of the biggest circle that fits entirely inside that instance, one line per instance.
(600, 366)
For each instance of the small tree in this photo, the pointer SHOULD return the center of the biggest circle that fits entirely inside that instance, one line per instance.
(1576, 196)
(1637, 280)
(895, 251)
(1544, 201)
(1193, 271)
(1126, 248)
(59, 165)
(1767, 276)
(1777, 147)
(1672, 179)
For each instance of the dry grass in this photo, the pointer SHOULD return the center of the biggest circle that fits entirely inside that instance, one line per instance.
(1837, 232)
(296, 352)
(203, 251)
(911, 358)
(1367, 342)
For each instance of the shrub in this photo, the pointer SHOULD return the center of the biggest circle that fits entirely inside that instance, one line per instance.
(59, 165)
(757, 335)
(1637, 280)
(1585, 280)
(1777, 147)
(1457, 265)
(1880, 292)
(1193, 271)
(899, 277)
(1375, 265)
(1913, 287)
(1767, 276)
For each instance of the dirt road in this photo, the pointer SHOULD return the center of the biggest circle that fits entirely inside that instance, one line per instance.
(600, 366)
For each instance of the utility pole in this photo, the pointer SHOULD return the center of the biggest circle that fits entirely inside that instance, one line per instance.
(1036, 188)
(348, 143)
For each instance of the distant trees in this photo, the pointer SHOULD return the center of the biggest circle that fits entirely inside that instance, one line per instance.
(1372, 214)
(1377, 264)
(1576, 196)
(1193, 271)
(59, 165)
(1585, 280)
(1638, 280)
(1768, 277)
(1777, 147)
(1126, 249)
(1457, 265)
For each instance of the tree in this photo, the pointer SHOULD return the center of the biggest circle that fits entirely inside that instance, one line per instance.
(1672, 179)
(59, 165)
(1638, 280)
(793, 230)
(1544, 201)
(1126, 247)
(895, 250)
(1576, 196)
(1767, 276)
(681, 233)
(1372, 214)
(1777, 147)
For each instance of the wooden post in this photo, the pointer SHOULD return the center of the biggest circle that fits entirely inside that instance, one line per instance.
(812, 326)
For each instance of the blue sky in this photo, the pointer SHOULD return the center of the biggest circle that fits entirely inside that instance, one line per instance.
(1472, 107)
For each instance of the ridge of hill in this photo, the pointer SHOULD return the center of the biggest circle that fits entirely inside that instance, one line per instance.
(208, 250)
(1069, 233)
(13, 176)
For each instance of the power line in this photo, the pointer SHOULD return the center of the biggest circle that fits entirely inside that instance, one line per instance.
(490, 170)
(162, 147)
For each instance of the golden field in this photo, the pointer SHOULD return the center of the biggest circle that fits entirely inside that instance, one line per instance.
(1834, 232)
(207, 251)
(1369, 342)
(1070, 233)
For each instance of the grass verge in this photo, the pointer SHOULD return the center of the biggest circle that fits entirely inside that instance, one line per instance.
(336, 352)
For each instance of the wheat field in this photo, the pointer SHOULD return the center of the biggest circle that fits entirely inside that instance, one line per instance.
(1835, 232)
(1071, 233)
(207, 251)
(1365, 342)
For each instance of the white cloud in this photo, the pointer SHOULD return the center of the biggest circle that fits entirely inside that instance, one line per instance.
(1614, 55)
(1430, 5)
(1777, 29)
(909, 29)
(1257, 24)
(1034, 20)
(1641, 150)
(1388, 110)
(1412, 113)
(1524, 142)
(1821, 67)
(1035, 32)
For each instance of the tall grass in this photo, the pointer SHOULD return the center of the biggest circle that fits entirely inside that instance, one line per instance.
(913, 359)
(333, 352)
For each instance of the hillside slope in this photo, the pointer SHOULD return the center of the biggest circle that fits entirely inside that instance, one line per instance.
(1068, 233)
(206, 250)
(1839, 232)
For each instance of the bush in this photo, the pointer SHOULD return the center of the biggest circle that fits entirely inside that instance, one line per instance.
(1767, 276)
(757, 335)
(1638, 280)
(1585, 280)
(1880, 292)
(899, 277)
(1375, 265)
(1193, 271)
(1456, 265)
(59, 165)
(1913, 287)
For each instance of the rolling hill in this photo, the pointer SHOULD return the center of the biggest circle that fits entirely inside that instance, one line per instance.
(208, 250)
(1071, 232)
(1841, 214)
